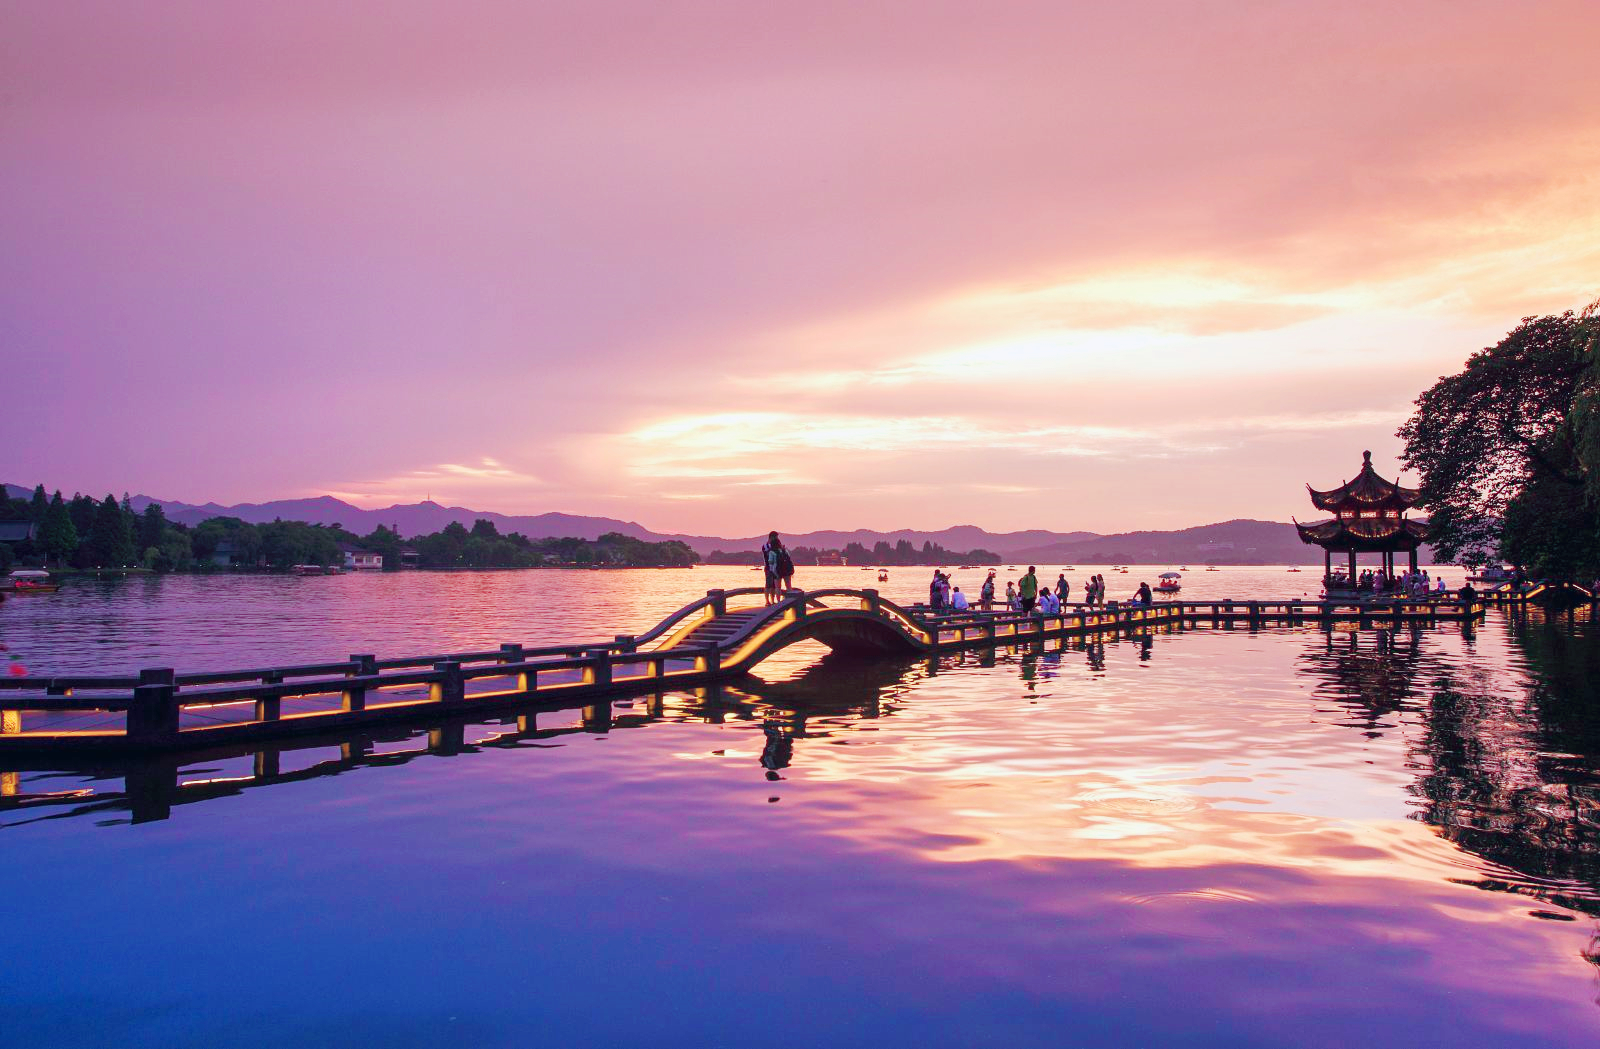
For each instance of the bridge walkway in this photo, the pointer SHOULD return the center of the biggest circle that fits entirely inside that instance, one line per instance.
(720, 636)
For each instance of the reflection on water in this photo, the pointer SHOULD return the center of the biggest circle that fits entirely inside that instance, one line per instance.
(1223, 837)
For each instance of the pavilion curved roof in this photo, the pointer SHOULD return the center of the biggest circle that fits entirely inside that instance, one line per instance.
(1364, 533)
(1367, 492)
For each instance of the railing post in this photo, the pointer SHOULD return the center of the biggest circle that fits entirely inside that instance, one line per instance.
(153, 714)
(450, 688)
(625, 643)
(268, 708)
(599, 667)
(510, 653)
(873, 602)
(56, 688)
(711, 660)
(355, 697)
(719, 602)
(799, 598)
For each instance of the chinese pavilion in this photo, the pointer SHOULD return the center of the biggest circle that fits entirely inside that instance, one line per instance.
(1369, 517)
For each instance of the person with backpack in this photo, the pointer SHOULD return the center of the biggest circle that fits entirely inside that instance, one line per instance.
(770, 562)
(1028, 590)
(986, 594)
(785, 569)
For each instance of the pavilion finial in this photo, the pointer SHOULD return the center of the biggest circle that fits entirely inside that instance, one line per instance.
(1366, 457)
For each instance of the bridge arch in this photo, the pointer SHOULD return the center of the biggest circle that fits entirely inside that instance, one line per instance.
(847, 631)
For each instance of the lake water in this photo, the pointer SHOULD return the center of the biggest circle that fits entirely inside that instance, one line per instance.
(1213, 837)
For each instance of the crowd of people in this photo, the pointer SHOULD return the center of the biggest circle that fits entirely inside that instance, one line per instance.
(1416, 584)
(1023, 595)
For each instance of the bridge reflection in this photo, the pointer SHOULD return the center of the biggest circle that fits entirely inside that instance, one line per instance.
(833, 692)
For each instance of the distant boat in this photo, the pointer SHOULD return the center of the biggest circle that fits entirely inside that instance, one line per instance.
(1185, 568)
(315, 569)
(1294, 569)
(1171, 583)
(883, 575)
(1211, 568)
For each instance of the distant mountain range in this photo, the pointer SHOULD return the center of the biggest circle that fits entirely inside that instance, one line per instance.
(1229, 542)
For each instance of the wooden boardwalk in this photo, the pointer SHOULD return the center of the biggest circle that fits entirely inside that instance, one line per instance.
(716, 638)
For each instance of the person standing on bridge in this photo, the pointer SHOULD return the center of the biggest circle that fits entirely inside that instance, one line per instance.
(986, 594)
(1063, 588)
(785, 569)
(770, 551)
(1028, 590)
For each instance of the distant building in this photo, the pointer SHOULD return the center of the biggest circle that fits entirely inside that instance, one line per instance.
(410, 557)
(357, 558)
(222, 556)
(831, 558)
(17, 531)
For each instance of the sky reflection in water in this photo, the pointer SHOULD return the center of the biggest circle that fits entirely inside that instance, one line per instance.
(1217, 838)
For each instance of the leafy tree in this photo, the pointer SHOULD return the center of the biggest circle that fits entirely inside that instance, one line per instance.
(57, 534)
(152, 526)
(484, 528)
(1497, 443)
(39, 505)
(82, 509)
(857, 554)
(174, 554)
(7, 558)
(386, 543)
(110, 537)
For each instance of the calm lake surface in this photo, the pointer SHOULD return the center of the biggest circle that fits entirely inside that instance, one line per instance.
(1212, 837)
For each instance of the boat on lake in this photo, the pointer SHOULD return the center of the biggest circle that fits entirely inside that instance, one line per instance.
(1170, 583)
(30, 581)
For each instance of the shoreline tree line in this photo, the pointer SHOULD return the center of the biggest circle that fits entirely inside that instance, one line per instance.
(86, 534)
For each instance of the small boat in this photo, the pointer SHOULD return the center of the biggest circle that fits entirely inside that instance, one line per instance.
(1185, 568)
(1211, 568)
(1171, 583)
(315, 569)
(1294, 569)
(1491, 574)
(883, 575)
(31, 581)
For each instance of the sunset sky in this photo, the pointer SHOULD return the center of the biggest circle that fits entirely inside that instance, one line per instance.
(725, 266)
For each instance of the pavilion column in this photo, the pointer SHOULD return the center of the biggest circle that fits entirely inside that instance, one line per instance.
(1327, 565)
(1352, 566)
(1413, 560)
